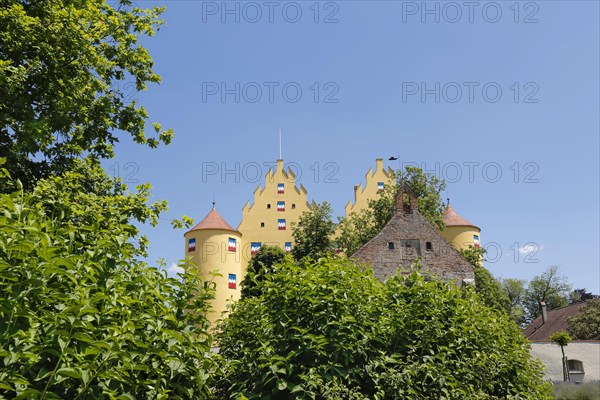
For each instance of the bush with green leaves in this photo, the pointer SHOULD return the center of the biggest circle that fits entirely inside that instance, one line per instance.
(330, 330)
(443, 343)
(313, 320)
(261, 264)
(81, 317)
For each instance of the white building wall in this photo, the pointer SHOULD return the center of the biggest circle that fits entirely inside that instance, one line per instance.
(549, 354)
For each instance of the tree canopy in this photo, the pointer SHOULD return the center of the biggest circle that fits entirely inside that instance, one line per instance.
(313, 234)
(260, 266)
(586, 324)
(549, 287)
(327, 329)
(80, 316)
(67, 72)
(488, 287)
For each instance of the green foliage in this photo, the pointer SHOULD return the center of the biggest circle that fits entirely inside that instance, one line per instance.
(443, 344)
(68, 71)
(427, 187)
(260, 266)
(549, 287)
(515, 291)
(361, 226)
(312, 235)
(80, 317)
(586, 324)
(486, 285)
(86, 196)
(578, 295)
(311, 320)
(582, 391)
(330, 330)
(561, 338)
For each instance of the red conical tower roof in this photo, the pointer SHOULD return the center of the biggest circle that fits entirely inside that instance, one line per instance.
(213, 220)
(452, 218)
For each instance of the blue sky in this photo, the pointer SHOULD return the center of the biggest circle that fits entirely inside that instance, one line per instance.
(500, 98)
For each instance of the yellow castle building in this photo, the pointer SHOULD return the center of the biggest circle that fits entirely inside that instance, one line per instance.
(213, 245)
(274, 212)
(375, 182)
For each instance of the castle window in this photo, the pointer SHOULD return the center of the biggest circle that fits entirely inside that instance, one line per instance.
(280, 188)
(293, 206)
(380, 186)
(191, 245)
(391, 245)
(428, 246)
(281, 206)
(281, 224)
(254, 247)
(262, 224)
(232, 281)
(231, 244)
(268, 206)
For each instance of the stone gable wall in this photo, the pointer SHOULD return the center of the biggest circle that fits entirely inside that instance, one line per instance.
(410, 232)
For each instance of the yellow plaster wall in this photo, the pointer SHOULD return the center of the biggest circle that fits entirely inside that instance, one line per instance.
(212, 254)
(368, 191)
(461, 236)
(257, 213)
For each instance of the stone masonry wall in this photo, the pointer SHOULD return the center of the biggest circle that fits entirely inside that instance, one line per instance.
(409, 235)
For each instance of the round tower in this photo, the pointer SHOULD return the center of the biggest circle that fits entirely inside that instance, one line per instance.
(459, 232)
(215, 246)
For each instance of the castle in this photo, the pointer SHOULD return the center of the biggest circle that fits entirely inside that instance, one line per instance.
(214, 245)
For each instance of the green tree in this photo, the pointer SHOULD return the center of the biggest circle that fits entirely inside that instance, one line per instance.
(67, 72)
(586, 324)
(314, 232)
(80, 316)
(444, 343)
(358, 228)
(515, 291)
(314, 321)
(488, 287)
(427, 187)
(330, 330)
(549, 287)
(578, 295)
(260, 266)
(562, 339)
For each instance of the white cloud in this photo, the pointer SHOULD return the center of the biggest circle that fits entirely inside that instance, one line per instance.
(174, 269)
(530, 248)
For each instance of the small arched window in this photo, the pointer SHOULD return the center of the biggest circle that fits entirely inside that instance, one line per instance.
(575, 366)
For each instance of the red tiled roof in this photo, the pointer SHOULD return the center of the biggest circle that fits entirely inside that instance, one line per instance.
(452, 218)
(213, 221)
(557, 321)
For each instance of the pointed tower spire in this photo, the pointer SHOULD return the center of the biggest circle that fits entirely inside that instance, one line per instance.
(280, 145)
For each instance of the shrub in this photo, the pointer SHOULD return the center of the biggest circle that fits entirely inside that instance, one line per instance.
(81, 318)
(329, 330)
